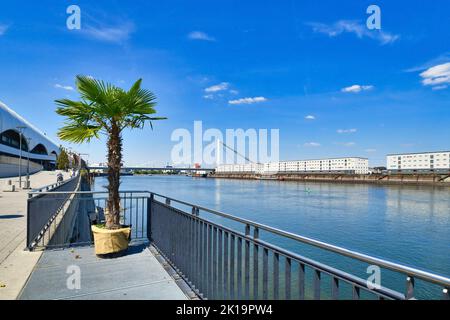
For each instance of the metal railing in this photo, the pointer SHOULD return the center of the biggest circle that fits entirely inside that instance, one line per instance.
(44, 207)
(222, 263)
(63, 218)
(222, 256)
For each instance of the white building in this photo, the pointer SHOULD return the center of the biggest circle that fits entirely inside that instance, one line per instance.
(240, 168)
(438, 161)
(36, 146)
(352, 165)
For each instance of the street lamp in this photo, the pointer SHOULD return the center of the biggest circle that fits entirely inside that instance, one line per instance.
(28, 163)
(70, 158)
(21, 129)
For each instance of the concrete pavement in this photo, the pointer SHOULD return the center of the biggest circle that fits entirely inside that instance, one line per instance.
(73, 274)
(15, 263)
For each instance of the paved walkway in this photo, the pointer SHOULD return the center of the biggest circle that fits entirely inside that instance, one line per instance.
(137, 275)
(15, 263)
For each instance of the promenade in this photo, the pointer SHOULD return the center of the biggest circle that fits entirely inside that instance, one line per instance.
(16, 264)
(137, 275)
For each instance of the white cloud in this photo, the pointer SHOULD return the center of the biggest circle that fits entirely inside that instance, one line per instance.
(208, 96)
(439, 88)
(355, 27)
(346, 130)
(3, 29)
(356, 88)
(346, 144)
(310, 117)
(248, 100)
(199, 35)
(218, 87)
(443, 58)
(311, 144)
(116, 34)
(59, 86)
(438, 76)
(371, 150)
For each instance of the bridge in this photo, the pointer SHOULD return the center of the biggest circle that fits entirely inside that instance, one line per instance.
(154, 168)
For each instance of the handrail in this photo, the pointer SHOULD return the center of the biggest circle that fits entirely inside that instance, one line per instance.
(421, 274)
(51, 186)
(86, 192)
(314, 264)
(410, 271)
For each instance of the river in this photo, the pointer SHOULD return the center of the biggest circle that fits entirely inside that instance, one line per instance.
(405, 224)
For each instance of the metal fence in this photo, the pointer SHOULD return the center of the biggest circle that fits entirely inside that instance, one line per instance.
(43, 207)
(227, 257)
(62, 219)
(223, 263)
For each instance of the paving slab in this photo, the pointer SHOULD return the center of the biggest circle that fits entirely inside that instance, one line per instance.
(136, 275)
(15, 263)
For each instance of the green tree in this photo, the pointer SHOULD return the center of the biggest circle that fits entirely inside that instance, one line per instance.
(106, 109)
(62, 163)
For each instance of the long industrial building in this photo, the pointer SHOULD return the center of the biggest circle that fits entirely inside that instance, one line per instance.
(17, 133)
(350, 165)
(424, 162)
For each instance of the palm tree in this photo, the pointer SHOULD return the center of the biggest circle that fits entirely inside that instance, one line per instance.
(106, 109)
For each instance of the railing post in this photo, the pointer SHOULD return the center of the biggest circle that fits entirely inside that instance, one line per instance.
(409, 288)
(28, 224)
(149, 217)
(287, 281)
(335, 288)
(247, 263)
(276, 275)
(301, 281)
(255, 264)
(445, 294)
(265, 273)
(316, 284)
(256, 233)
(355, 292)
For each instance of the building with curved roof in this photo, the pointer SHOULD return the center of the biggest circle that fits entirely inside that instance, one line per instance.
(16, 133)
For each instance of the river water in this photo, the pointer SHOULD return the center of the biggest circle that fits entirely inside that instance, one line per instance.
(405, 224)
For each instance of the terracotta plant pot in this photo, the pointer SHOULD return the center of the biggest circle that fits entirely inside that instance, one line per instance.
(110, 241)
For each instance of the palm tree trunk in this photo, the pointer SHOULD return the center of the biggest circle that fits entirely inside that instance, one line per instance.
(114, 166)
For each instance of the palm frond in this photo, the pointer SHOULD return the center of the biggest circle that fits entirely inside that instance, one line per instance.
(76, 133)
(103, 104)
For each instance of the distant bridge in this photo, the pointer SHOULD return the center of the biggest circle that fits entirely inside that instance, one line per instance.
(154, 168)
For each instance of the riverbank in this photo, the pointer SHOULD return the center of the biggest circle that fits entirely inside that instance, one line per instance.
(383, 179)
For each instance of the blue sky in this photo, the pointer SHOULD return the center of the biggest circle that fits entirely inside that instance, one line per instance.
(310, 68)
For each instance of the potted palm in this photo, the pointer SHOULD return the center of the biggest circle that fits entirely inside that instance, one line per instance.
(106, 109)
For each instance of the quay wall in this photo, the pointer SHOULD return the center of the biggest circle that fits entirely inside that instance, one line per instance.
(9, 167)
(409, 179)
